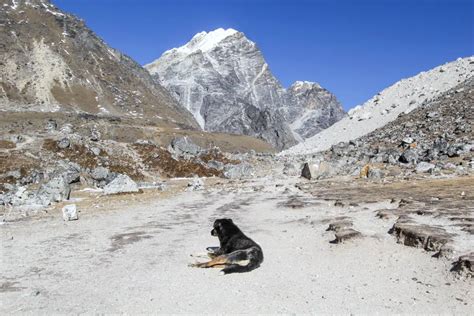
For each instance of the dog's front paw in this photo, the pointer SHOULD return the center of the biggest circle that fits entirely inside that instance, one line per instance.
(212, 249)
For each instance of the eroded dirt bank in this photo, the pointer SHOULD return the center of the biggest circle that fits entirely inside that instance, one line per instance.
(129, 253)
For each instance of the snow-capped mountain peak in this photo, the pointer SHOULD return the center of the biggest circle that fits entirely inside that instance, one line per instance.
(203, 41)
(222, 78)
(299, 85)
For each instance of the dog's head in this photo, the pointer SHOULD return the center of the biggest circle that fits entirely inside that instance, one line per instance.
(223, 226)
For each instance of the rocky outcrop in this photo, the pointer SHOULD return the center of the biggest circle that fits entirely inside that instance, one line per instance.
(222, 78)
(413, 234)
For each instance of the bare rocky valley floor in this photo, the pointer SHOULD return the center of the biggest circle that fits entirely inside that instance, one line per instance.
(130, 253)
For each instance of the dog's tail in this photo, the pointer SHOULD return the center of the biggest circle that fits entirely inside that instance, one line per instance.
(243, 260)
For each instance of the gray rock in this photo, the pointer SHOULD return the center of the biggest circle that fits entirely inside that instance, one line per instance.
(292, 169)
(100, 173)
(64, 143)
(375, 173)
(424, 167)
(449, 166)
(95, 151)
(184, 146)
(51, 125)
(215, 165)
(317, 170)
(454, 150)
(67, 129)
(95, 135)
(240, 171)
(70, 212)
(309, 170)
(195, 185)
(408, 156)
(21, 196)
(408, 140)
(121, 184)
(72, 173)
(55, 190)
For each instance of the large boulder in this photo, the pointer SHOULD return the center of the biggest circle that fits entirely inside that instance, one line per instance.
(55, 190)
(121, 184)
(316, 170)
(184, 146)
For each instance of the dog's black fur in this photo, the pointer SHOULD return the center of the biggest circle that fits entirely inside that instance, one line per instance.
(237, 253)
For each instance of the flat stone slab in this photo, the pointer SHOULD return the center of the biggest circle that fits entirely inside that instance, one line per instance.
(412, 234)
(346, 234)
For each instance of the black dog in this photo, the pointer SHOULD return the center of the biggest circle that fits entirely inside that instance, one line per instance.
(237, 252)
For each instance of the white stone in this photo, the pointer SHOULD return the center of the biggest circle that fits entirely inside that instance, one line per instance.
(70, 212)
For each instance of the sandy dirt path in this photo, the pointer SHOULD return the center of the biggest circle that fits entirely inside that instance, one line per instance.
(133, 259)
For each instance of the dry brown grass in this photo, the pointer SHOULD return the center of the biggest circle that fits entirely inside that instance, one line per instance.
(159, 159)
(15, 161)
(6, 144)
(75, 153)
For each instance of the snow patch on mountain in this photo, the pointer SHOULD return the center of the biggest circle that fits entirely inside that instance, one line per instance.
(402, 97)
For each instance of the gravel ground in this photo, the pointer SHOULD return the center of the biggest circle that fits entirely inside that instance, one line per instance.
(129, 254)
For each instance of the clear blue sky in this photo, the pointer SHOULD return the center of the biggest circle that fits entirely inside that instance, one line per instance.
(353, 48)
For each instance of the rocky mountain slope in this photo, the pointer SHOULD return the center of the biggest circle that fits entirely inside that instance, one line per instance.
(75, 112)
(400, 98)
(435, 139)
(224, 81)
(50, 61)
